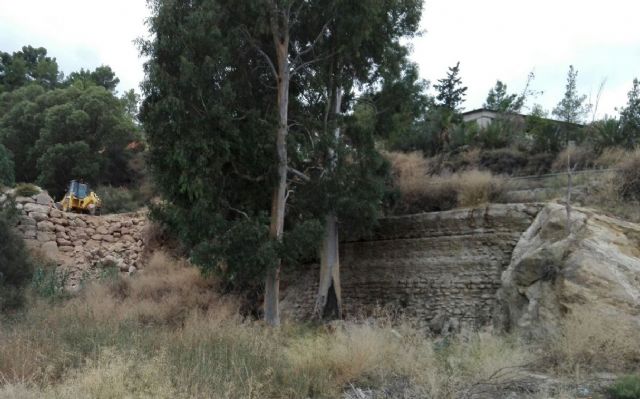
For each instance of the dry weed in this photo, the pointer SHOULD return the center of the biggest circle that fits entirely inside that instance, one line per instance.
(591, 341)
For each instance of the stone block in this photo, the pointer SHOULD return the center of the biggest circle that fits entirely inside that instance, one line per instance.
(38, 216)
(43, 198)
(50, 249)
(45, 225)
(56, 214)
(45, 236)
(24, 200)
(103, 230)
(31, 207)
(65, 248)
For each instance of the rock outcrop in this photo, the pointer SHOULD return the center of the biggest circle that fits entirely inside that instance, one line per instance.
(596, 267)
(81, 244)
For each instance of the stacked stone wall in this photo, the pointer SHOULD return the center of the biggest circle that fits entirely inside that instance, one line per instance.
(440, 269)
(81, 245)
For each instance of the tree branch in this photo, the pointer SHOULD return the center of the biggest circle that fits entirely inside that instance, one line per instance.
(261, 52)
(298, 174)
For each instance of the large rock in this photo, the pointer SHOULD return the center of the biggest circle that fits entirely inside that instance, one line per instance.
(596, 267)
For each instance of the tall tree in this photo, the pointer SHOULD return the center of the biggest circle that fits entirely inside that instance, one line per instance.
(353, 55)
(572, 108)
(30, 65)
(630, 116)
(500, 100)
(451, 92)
(101, 76)
(216, 113)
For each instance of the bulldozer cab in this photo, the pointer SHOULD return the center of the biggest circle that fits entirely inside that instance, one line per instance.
(79, 190)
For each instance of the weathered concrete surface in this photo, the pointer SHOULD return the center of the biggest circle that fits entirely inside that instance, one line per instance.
(441, 269)
(596, 268)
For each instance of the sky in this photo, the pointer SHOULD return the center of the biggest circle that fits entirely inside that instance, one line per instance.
(492, 39)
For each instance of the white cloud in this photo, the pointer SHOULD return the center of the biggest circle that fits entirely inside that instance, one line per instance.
(493, 39)
(79, 33)
(505, 39)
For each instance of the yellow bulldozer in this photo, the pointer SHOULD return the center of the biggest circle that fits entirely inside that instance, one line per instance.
(79, 198)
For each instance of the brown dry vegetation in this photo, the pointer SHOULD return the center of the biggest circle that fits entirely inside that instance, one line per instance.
(422, 191)
(165, 333)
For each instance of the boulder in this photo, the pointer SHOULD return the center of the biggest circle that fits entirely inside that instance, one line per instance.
(32, 207)
(596, 267)
(45, 225)
(50, 249)
(38, 216)
(24, 200)
(43, 198)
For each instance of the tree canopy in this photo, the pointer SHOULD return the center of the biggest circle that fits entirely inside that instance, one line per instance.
(57, 129)
(451, 92)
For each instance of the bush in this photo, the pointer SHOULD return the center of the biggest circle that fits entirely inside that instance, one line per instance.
(26, 189)
(628, 176)
(503, 161)
(476, 188)
(610, 157)
(421, 192)
(582, 157)
(592, 341)
(627, 387)
(15, 266)
(7, 172)
(118, 199)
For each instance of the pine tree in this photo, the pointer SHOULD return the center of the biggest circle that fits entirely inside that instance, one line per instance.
(451, 92)
(499, 100)
(630, 116)
(572, 107)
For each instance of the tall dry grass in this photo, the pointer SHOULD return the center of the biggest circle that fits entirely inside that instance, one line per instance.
(422, 191)
(167, 334)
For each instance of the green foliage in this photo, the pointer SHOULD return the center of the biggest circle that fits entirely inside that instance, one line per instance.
(627, 387)
(15, 265)
(630, 117)
(101, 76)
(48, 282)
(73, 132)
(451, 92)
(607, 133)
(7, 174)
(572, 108)
(502, 132)
(31, 65)
(499, 100)
(210, 117)
(120, 199)
(26, 189)
(63, 160)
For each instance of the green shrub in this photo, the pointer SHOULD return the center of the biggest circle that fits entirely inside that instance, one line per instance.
(118, 199)
(627, 387)
(26, 189)
(503, 160)
(7, 171)
(49, 283)
(15, 266)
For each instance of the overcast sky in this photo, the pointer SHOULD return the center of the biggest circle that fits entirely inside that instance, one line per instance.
(492, 39)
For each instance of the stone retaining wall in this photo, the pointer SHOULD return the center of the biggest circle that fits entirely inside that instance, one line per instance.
(81, 244)
(440, 269)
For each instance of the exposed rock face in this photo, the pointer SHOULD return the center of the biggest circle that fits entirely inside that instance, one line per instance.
(551, 272)
(81, 244)
(440, 269)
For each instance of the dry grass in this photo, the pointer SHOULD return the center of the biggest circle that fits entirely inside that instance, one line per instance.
(610, 157)
(420, 191)
(582, 157)
(591, 341)
(167, 334)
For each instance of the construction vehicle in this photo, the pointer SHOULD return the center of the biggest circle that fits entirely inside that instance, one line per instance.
(79, 198)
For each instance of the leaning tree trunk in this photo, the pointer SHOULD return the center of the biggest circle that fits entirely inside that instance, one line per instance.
(329, 290)
(280, 31)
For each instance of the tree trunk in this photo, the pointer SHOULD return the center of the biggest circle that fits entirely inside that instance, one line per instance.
(329, 255)
(280, 32)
